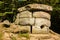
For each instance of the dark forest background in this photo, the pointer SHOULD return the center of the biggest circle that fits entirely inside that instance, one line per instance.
(8, 10)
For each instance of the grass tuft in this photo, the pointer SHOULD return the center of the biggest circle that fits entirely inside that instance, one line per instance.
(24, 35)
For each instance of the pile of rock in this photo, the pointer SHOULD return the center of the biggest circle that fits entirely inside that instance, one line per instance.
(38, 21)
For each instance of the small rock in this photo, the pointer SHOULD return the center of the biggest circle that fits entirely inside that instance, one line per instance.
(6, 36)
(6, 22)
(21, 9)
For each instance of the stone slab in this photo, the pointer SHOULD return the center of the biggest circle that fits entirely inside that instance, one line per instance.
(26, 14)
(36, 6)
(26, 21)
(41, 14)
(39, 30)
(40, 6)
(42, 21)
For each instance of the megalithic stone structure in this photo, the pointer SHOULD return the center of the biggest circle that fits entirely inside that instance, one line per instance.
(36, 6)
(36, 16)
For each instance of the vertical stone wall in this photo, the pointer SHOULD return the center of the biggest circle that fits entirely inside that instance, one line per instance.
(32, 16)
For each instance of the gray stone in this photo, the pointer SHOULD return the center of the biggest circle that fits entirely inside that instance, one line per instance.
(40, 6)
(41, 14)
(36, 6)
(38, 29)
(25, 14)
(42, 21)
(26, 21)
(17, 21)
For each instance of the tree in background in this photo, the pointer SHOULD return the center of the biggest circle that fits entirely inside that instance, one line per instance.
(7, 9)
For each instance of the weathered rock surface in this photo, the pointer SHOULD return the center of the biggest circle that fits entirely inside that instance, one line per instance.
(26, 21)
(40, 6)
(11, 35)
(35, 6)
(36, 21)
(42, 21)
(17, 28)
(40, 30)
(17, 21)
(6, 22)
(6, 36)
(21, 9)
(24, 14)
(50, 36)
(41, 14)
